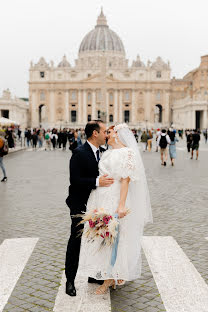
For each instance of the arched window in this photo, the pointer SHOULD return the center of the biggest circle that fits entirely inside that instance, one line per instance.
(158, 113)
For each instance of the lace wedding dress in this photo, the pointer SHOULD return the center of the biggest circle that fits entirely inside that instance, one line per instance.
(95, 262)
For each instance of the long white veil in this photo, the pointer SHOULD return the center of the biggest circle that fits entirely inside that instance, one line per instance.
(138, 190)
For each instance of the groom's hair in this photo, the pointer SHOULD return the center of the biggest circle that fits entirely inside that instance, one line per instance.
(91, 126)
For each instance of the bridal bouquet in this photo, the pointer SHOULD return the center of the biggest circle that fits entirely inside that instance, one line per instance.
(101, 224)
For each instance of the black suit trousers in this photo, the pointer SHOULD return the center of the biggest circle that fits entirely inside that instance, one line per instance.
(73, 249)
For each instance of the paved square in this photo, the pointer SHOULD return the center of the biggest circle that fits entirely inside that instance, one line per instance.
(33, 205)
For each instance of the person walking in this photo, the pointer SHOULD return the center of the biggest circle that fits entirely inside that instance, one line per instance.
(54, 138)
(172, 146)
(40, 138)
(195, 144)
(28, 136)
(48, 140)
(189, 140)
(144, 139)
(34, 139)
(163, 142)
(157, 136)
(64, 138)
(3, 151)
(149, 141)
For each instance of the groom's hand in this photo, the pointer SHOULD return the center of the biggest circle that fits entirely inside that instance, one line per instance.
(105, 181)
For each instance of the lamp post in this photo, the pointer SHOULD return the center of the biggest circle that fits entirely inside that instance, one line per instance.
(146, 123)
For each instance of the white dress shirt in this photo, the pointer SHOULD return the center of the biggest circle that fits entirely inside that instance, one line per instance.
(94, 149)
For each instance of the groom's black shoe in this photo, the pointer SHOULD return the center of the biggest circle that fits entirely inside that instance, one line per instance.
(93, 280)
(70, 289)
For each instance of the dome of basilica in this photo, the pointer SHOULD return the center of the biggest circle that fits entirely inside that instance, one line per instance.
(102, 38)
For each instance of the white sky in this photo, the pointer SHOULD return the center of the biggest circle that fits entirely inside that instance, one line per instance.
(176, 30)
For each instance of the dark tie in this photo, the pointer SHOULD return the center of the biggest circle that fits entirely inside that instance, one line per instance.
(98, 155)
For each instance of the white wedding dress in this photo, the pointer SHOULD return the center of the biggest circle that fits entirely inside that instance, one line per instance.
(95, 262)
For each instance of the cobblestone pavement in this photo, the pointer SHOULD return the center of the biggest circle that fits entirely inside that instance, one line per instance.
(32, 205)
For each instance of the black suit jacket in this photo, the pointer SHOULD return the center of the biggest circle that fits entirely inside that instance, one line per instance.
(83, 169)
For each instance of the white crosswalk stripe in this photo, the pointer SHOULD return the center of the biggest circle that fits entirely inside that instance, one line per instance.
(14, 254)
(181, 287)
(85, 300)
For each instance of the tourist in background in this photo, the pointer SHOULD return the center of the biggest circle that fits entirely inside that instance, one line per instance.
(64, 138)
(40, 138)
(34, 139)
(157, 136)
(54, 138)
(48, 140)
(149, 140)
(28, 136)
(205, 135)
(195, 144)
(189, 140)
(172, 145)
(3, 152)
(144, 139)
(163, 142)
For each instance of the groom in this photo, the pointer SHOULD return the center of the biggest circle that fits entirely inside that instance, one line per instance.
(84, 177)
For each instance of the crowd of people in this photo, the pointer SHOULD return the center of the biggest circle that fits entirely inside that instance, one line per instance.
(167, 139)
(52, 139)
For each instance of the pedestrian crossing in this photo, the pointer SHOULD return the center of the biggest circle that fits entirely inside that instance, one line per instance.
(14, 254)
(181, 287)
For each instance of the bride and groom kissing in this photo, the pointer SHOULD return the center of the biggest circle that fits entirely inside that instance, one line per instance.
(114, 180)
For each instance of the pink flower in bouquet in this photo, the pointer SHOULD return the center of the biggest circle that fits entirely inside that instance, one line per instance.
(91, 223)
(107, 234)
(106, 219)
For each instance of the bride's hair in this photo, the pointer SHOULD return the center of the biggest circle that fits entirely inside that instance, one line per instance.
(111, 128)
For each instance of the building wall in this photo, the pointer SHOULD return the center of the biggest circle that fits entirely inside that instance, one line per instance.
(18, 109)
(108, 85)
(189, 96)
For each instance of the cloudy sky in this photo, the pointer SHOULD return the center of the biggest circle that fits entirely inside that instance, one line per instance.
(176, 30)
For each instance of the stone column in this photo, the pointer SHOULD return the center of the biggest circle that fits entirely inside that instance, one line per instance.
(107, 107)
(115, 119)
(120, 109)
(147, 105)
(94, 115)
(205, 122)
(193, 119)
(34, 110)
(52, 109)
(84, 107)
(167, 105)
(67, 106)
(133, 108)
(79, 107)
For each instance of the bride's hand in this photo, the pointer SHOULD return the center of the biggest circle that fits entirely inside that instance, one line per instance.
(121, 211)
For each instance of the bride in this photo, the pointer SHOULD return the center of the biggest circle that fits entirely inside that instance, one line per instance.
(129, 191)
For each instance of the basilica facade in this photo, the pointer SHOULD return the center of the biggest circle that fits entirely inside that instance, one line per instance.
(103, 85)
